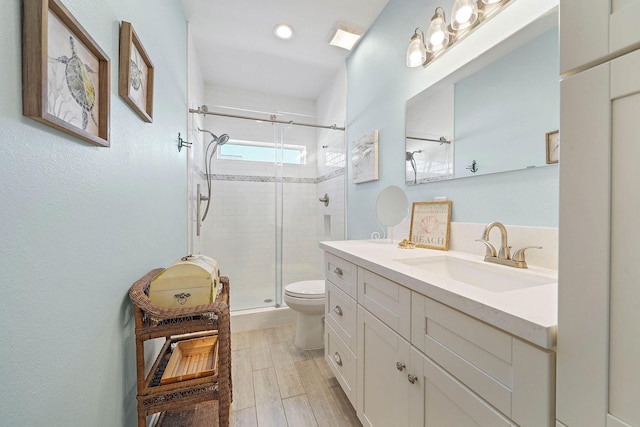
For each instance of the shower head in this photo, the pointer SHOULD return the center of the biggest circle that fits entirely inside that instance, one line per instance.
(221, 140)
(409, 155)
(224, 138)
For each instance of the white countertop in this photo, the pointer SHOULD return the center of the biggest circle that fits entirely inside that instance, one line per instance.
(529, 313)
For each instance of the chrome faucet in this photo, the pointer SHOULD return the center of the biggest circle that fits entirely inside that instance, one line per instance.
(503, 255)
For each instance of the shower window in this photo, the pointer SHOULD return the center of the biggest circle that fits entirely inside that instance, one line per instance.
(253, 151)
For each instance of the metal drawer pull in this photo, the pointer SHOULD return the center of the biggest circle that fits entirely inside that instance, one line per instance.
(337, 310)
(337, 358)
(338, 271)
(412, 378)
(400, 366)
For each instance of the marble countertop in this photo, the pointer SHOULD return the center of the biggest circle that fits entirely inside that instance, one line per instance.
(529, 313)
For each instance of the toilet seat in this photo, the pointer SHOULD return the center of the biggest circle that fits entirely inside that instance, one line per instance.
(307, 289)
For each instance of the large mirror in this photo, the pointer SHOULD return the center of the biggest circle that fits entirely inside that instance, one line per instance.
(491, 115)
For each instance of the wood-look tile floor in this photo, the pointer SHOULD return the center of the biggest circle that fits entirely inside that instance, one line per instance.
(277, 385)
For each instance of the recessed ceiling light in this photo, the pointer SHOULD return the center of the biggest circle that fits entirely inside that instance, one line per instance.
(344, 38)
(283, 31)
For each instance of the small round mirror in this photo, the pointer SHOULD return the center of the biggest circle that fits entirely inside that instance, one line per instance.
(392, 206)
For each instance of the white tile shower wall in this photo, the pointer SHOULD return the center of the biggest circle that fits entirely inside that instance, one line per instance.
(334, 187)
(240, 234)
(463, 239)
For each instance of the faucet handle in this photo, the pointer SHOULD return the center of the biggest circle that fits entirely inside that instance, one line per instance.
(519, 254)
(491, 250)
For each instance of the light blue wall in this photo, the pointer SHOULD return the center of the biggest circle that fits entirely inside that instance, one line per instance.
(379, 83)
(504, 110)
(79, 224)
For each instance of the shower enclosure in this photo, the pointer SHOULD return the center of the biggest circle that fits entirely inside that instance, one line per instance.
(265, 218)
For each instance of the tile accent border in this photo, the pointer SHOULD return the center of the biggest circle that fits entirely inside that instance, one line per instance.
(286, 179)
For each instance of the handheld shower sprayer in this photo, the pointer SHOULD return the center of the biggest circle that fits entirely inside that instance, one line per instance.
(216, 141)
(412, 160)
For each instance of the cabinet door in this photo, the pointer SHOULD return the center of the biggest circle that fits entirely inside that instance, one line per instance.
(594, 31)
(383, 388)
(598, 381)
(438, 399)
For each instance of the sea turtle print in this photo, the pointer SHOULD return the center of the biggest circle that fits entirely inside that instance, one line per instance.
(80, 84)
(136, 76)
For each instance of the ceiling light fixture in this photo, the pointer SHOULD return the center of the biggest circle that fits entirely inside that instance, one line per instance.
(283, 31)
(465, 15)
(344, 38)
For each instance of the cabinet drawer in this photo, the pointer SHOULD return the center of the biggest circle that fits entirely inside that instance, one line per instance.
(341, 273)
(341, 361)
(513, 376)
(385, 299)
(341, 312)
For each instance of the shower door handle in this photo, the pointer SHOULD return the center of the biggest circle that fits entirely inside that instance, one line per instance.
(201, 198)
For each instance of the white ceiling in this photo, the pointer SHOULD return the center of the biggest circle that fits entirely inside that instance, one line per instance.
(236, 46)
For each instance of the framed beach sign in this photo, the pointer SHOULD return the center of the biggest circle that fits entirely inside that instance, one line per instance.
(364, 158)
(431, 225)
(65, 74)
(135, 73)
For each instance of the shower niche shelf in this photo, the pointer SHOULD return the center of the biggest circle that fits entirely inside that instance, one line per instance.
(202, 397)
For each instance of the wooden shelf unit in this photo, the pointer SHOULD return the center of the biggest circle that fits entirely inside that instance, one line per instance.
(177, 325)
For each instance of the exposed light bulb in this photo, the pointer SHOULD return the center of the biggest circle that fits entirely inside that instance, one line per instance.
(464, 13)
(416, 52)
(436, 38)
(438, 34)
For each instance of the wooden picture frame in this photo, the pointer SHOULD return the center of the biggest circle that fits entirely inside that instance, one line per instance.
(65, 74)
(135, 73)
(431, 225)
(552, 146)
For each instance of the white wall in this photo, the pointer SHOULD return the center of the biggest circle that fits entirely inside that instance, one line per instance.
(195, 153)
(379, 83)
(79, 224)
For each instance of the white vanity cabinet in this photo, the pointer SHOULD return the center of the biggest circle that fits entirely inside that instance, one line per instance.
(599, 314)
(383, 366)
(340, 322)
(419, 362)
(511, 375)
(593, 31)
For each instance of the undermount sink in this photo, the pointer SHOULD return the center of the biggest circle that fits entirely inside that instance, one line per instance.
(480, 274)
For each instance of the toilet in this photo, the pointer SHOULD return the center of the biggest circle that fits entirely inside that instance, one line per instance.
(307, 298)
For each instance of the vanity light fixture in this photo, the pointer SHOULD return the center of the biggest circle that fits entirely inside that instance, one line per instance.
(465, 15)
(417, 51)
(283, 31)
(438, 34)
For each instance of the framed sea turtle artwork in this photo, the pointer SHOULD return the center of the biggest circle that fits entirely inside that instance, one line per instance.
(65, 74)
(135, 73)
